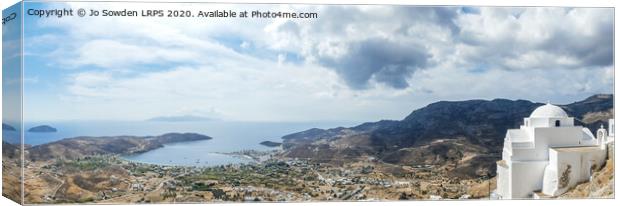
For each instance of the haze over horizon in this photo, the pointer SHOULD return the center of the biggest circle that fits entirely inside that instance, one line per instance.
(352, 63)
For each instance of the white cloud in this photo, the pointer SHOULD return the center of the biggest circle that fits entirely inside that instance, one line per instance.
(538, 38)
(245, 45)
(300, 70)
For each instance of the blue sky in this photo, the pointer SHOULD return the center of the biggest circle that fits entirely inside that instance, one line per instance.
(11, 73)
(353, 63)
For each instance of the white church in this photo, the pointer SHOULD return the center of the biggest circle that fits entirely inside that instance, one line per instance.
(549, 154)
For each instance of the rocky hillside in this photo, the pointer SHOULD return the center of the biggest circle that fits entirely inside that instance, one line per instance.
(10, 151)
(466, 134)
(593, 111)
(73, 148)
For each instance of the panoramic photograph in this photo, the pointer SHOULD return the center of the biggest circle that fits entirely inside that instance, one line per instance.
(138, 103)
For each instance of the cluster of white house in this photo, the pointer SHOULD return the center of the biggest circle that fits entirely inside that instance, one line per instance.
(549, 154)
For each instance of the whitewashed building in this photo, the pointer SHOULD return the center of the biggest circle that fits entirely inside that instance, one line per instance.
(548, 155)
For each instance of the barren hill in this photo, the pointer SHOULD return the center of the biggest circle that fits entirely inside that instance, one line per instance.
(468, 135)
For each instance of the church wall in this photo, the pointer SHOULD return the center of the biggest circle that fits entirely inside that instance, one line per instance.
(526, 155)
(551, 178)
(538, 122)
(506, 154)
(549, 122)
(556, 137)
(612, 128)
(575, 167)
(526, 177)
(503, 181)
(589, 138)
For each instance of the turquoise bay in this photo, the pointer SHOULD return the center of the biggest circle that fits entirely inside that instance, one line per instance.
(227, 137)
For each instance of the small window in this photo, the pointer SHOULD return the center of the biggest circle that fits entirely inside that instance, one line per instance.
(557, 123)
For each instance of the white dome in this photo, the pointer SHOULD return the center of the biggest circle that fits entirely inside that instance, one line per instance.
(549, 111)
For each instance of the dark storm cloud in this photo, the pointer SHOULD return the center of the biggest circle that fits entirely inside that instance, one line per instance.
(595, 49)
(387, 44)
(385, 61)
(445, 16)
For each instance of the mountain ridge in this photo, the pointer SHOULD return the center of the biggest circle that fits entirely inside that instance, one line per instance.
(467, 134)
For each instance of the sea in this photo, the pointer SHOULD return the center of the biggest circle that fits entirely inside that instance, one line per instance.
(227, 137)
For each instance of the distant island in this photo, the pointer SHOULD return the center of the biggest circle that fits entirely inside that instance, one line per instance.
(73, 148)
(271, 144)
(184, 118)
(6, 127)
(43, 128)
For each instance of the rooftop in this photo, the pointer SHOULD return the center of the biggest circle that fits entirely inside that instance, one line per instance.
(576, 149)
(549, 111)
